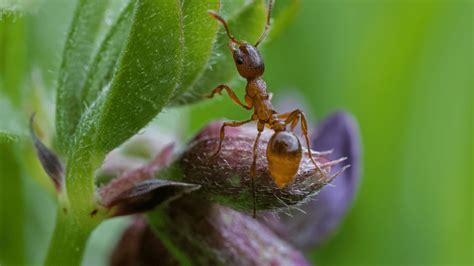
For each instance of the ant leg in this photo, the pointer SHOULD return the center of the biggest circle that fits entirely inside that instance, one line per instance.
(286, 115)
(299, 115)
(232, 95)
(253, 167)
(222, 132)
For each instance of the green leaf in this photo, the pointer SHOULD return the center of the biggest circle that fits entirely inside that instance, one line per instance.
(105, 61)
(73, 71)
(149, 72)
(246, 24)
(283, 13)
(199, 35)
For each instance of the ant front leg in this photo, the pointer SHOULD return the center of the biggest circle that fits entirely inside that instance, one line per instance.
(232, 95)
(292, 119)
(222, 132)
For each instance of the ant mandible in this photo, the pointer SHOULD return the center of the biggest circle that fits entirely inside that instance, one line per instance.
(284, 151)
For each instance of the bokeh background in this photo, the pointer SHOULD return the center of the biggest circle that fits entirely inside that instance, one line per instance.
(403, 68)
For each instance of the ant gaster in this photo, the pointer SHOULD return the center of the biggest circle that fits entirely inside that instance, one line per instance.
(284, 151)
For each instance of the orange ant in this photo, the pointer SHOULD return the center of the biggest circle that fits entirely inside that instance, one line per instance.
(284, 151)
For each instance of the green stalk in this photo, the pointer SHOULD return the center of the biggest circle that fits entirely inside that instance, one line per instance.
(69, 238)
(77, 214)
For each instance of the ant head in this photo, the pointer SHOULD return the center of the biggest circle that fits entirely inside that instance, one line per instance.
(247, 58)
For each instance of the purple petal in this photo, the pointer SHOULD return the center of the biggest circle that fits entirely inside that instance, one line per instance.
(210, 234)
(324, 213)
(140, 246)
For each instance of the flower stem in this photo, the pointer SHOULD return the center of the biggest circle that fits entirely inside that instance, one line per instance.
(69, 238)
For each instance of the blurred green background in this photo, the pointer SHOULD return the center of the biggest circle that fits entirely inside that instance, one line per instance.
(403, 68)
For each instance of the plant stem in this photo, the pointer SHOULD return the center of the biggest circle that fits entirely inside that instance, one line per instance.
(69, 238)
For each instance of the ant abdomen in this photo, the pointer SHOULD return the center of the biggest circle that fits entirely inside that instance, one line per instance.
(284, 156)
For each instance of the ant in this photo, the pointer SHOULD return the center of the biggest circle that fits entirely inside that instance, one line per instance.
(284, 151)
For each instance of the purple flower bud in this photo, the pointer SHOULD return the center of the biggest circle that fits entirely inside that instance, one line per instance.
(209, 234)
(318, 218)
(225, 178)
(138, 191)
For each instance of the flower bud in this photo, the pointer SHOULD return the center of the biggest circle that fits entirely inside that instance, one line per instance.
(209, 234)
(225, 178)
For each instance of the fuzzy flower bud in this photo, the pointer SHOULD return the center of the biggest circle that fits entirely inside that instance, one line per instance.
(226, 179)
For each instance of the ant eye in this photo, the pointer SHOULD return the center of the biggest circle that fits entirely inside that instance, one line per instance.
(239, 61)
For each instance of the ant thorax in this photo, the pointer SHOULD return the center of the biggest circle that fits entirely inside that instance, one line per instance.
(257, 88)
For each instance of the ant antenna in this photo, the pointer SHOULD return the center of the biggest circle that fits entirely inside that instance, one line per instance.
(267, 26)
(219, 18)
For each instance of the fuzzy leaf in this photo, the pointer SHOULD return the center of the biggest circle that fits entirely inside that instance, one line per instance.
(149, 72)
(199, 35)
(105, 61)
(73, 71)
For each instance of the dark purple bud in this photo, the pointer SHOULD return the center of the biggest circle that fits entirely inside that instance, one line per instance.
(146, 195)
(50, 162)
(317, 219)
(130, 179)
(140, 246)
(209, 234)
(225, 178)
(138, 191)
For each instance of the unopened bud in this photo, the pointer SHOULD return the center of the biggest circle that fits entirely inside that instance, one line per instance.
(226, 179)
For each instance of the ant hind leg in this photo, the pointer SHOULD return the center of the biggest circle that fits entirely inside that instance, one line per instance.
(292, 119)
